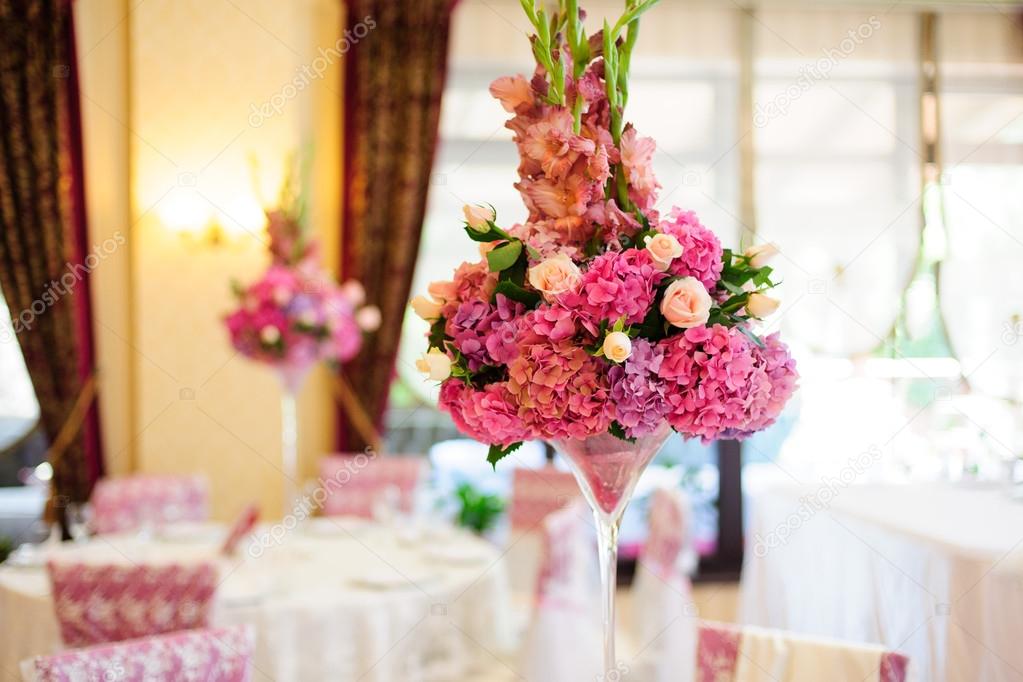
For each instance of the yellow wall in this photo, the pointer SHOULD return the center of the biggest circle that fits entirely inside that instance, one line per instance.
(182, 400)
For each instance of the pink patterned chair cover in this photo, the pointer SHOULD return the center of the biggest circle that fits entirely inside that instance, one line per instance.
(355, 482)
(668, 534)
(214, 655)
(130, 502)
(536, 493)
(719, 651)
(98, 603)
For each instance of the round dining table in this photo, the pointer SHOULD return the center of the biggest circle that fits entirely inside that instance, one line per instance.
(931, 570)
(331, 599)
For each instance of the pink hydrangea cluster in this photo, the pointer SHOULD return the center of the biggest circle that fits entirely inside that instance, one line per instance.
(718, 383)
(637, 390)
(617, 284)
(490, 414)
(486, 334)
(701, 249)
(561, 390)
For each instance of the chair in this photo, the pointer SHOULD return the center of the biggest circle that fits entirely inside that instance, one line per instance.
(131, 502)
(727, 653)
(214, 655)
(99, 603)
(563, 641)
(536, 493)
(356, 483)
(664, 614)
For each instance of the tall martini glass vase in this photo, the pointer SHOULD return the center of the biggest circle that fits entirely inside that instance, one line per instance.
(607, 469)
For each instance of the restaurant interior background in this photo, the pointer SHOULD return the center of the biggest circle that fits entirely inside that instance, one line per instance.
(879, 145)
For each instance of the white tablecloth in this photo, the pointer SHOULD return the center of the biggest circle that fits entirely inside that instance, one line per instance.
(933, 571)
(320, 601)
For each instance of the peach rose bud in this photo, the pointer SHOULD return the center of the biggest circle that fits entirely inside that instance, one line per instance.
(686, 303)
(442, 290)
(761, 305)
(617, 346)
(760, 254)
(368, 318)
(554, 276)
(479, 217)
(426, 308)
(663, 248)
(436, 365)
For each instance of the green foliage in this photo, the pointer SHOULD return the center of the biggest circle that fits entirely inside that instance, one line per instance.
(504, 256)
(498, 452)
(618, 431)
(6, 547)
(477, 512)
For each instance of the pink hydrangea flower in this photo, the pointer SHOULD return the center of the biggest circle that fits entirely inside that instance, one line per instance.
(561, 390)
(637, 392)
(485, 333)
(701, 249)
(472, 282)
(489, 415)
(617, 284)
(720, 384)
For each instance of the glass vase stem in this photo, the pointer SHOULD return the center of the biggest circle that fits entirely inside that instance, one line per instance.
(607, 547)
(289, 449)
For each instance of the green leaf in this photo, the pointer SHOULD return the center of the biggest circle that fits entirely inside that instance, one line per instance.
(488, 236)
(437, 336)
(749, 333)
(503, 257)
(516, 293)
(618, 431)
(497, 453)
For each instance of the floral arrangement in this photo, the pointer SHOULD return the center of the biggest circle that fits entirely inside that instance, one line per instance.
(599, 313)
(296, 314)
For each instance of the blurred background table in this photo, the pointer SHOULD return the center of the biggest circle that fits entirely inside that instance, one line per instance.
(931, 570)
(332, 599)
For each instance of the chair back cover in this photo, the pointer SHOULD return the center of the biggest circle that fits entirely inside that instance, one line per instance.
(729, 653)
(564, 637)
(214, 655)
(356, 483)
(536, 493)
(99, 603)
(664, 615)
(130, 502)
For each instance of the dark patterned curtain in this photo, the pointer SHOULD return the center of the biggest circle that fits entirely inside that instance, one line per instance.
(44, 255)
(394, 77)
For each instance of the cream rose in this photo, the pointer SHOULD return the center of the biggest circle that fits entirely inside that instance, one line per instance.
(760, 254)
(555, 275)
(354, 292)
(686, 303)
(426, 308)
(269, 334)
(617, 346)
(761, 305)
(479, 217)
(663, 248)
(436, 365)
